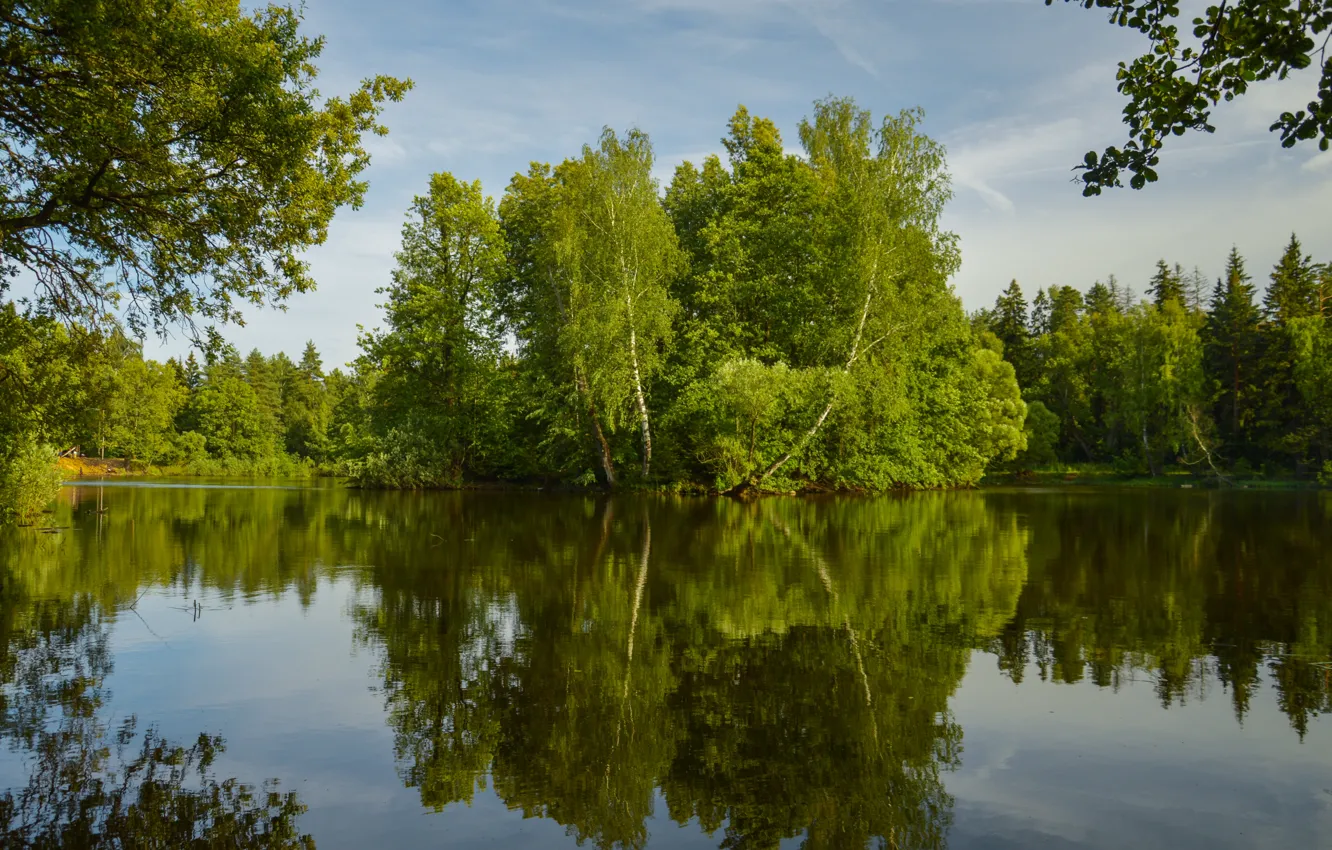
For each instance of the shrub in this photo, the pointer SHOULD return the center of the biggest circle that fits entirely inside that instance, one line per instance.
(29, 481)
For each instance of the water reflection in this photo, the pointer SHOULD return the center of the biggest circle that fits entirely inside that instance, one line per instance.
(94, 785)
(778, 669)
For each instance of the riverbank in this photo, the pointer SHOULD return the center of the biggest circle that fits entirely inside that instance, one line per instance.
(282, 467)
(1094, 475)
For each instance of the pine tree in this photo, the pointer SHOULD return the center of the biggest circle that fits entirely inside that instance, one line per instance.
(1293, 292)
(312, 365)
(1010, 325)
(193, 373)
(1102, 298)
(1040, 314)
(1230, 340)
(1167, 284)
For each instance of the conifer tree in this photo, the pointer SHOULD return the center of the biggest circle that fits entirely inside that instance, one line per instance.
(1010, 325)
(1293, 292)
(1230, 340)
(1167, 284)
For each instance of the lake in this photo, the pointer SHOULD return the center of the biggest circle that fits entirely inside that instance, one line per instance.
(288, 666)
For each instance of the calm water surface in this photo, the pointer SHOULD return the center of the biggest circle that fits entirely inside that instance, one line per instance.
(287, 667)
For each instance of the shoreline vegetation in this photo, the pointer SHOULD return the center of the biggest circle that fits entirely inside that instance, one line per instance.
(765, 321)
(770, 324)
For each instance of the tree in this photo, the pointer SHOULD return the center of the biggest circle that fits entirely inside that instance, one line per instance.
(1012, 327)
(1156, 390)
(1230, 341)
(1174, 86)
(437, 360)
(1293, 290)
(305, 407)
(171, 157)
(625, 252)
(1167, 284)
(142, 409)
(231, 418)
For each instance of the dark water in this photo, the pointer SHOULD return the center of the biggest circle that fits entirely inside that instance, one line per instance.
(280, 667)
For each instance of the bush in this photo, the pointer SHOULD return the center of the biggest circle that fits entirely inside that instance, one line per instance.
(1325, 477)
(29, 482)
(402, 463)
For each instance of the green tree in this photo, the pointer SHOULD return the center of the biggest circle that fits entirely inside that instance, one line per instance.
(1292, 294)
(141, 412)
(1312, 337)
(1231, 338)
(437, 362)
(29, 480)
(171, 152)
(1175, 84)
(1167, 284)
(232, 419)
(619, 253)
(1156, 393)
(306, 407)
(1011, 324)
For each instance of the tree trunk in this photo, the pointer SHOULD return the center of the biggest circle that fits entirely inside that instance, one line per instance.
(750, 483)
(639, 399)
(598, 436)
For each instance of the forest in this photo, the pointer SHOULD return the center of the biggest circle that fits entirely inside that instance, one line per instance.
(775, 321)
(771, 322)
(1199, 376)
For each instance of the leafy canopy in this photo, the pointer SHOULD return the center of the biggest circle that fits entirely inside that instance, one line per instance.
(170, 157)
(1174, 85)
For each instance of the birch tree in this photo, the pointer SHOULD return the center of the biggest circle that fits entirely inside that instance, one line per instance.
(618, 252)
(886, 260)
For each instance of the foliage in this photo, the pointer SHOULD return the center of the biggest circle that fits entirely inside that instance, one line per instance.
(1174, 86)
(29, 481)
(1230, 385)
(171, 157)
(437, 366)
(1042, 431)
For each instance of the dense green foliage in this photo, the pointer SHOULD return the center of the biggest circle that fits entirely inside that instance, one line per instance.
(1174, 85)
(779, 321)
(1229, 385)
(168, 158)
(72, 388)
(29, 480)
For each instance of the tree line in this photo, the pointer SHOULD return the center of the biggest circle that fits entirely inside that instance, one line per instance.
(1207, 377)
(776, 321)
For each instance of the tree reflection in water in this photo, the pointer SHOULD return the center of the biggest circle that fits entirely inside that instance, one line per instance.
(93, 786)
(769, 670)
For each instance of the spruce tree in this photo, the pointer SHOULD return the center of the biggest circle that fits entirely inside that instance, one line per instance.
(1010, 325)
(1102, 298)
(1167, 284)
(1230, 340)
(1293, 292)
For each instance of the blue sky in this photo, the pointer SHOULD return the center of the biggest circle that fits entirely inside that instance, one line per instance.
(1016, 90)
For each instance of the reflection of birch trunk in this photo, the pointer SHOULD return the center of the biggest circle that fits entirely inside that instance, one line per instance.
(826, 578)
(639, 586)
(638, 600)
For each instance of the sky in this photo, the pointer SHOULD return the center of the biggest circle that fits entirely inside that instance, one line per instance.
(1017, 91)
